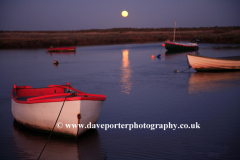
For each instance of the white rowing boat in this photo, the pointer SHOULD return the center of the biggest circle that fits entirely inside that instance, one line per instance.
(208, 64)
(39, 108)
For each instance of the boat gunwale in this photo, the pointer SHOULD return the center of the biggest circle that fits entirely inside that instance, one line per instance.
(232, 58)
(56, 97)
(182, 45)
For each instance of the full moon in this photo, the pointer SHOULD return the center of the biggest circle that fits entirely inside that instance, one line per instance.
(124, 13)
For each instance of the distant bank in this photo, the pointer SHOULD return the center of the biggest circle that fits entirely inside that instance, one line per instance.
(45, 39)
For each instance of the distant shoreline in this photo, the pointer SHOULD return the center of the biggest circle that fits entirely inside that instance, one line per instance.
(45, 39)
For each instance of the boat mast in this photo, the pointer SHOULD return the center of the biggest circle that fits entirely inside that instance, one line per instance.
(174, 30)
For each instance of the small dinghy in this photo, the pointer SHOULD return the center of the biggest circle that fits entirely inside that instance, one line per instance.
(39, 108)
(209, 64)
(61, 49)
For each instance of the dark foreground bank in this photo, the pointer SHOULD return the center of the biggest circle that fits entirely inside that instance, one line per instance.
(45, 39)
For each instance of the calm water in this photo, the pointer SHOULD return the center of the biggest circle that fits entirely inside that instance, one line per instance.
(138, 89)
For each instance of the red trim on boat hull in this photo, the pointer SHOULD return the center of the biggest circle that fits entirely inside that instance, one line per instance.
(61, 49)
(172, 46)
(53, 93)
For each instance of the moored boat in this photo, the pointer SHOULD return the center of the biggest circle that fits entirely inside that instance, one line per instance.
(38, 108)
(209, 64)
(175, 46)
(178, 46)
(61, 49)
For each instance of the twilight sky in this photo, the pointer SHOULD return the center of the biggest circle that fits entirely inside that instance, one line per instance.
(42, 15)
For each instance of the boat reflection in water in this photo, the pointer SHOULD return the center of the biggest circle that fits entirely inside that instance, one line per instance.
(126, 73)
(176, 54)
(61, 53)
(29, 144)
(211, 81)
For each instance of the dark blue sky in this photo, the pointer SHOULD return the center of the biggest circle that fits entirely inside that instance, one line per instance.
(37, 15)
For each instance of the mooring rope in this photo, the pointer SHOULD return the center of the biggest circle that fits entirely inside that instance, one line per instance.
(176, 71)
(186, 69)
(71, 95)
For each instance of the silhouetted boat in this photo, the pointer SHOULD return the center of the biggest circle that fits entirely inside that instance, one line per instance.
(208, 64)
(61, 49)
(178, 46)
(39, 108)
